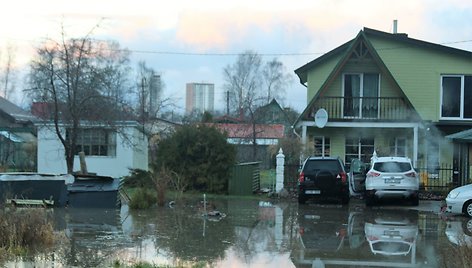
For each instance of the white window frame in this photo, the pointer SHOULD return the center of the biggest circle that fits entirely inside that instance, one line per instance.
(323, 146)
(461, 112)
(397, 146)
(109, 142)
(361, 93)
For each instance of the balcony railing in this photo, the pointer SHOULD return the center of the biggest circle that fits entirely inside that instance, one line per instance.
(365, 108)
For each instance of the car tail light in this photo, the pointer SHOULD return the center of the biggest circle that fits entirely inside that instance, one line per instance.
(373, 174)
(372, 238)
(411, 174)
(302, 177)
(343, 177)
(301, 230)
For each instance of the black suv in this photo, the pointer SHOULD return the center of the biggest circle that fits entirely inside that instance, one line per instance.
(323, 177)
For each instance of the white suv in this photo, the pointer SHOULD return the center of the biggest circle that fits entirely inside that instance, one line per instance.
(391, 177)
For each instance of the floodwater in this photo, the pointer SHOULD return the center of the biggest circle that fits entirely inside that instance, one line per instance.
(251, 233)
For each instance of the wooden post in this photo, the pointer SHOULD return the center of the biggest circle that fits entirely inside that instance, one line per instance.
(83, 164)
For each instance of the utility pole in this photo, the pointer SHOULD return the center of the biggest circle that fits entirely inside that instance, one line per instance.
(227, 102)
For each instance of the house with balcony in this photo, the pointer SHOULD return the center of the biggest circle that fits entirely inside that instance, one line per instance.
(392, 94)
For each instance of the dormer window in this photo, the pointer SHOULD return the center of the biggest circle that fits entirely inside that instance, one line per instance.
(456, 96)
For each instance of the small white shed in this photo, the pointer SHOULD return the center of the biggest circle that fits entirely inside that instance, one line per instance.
(108, 151)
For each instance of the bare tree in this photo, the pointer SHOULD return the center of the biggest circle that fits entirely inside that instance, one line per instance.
(8, 72)
(275, 79)
(252, 84)
(83, 80)
(243, 81)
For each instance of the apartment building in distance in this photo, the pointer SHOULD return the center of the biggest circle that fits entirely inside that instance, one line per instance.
(200, 96)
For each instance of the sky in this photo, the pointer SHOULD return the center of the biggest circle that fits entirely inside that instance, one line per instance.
(192, 41)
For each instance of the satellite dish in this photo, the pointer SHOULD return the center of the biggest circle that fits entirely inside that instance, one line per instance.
(321, 118)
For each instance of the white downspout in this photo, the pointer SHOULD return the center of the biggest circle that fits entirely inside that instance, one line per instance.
(415, 145)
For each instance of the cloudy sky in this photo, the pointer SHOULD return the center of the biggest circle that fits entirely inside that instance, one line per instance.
(192, 41)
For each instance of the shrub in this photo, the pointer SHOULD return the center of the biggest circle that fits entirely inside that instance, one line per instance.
(200, 155)
(142, 198)
(138, 178)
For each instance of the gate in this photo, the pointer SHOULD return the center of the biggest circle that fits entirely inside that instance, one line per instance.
(437, 180)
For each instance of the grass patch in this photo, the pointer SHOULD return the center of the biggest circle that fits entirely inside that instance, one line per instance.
(118, 264)
(24, 230)
(456, 256)
(267, 178)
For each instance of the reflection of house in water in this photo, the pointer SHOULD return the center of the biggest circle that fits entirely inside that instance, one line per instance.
(339, 237)
(94, 235)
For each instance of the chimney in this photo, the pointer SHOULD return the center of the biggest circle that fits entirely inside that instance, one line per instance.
(395, 24)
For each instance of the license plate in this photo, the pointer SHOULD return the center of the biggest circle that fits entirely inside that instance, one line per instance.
(392, 181)
(312, 192)
(391, 233)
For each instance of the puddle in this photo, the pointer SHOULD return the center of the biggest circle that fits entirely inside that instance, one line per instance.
(253, 234)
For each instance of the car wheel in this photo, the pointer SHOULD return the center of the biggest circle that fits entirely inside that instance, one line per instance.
(467, 227)
(468, 208)
(301, 198)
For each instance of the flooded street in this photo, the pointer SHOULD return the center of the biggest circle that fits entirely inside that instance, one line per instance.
(251, 233)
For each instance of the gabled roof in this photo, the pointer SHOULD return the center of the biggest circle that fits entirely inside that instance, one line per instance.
(245, 131)
(15, 113)
(403, 38)
(399, 37)
(346, 50)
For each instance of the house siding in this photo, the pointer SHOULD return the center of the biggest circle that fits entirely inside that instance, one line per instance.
(316, 78)
(387, 88)
(418, 70)
(51, 155)
(140, 157)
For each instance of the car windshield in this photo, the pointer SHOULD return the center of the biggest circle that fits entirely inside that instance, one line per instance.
(392, 166)
(331, 165)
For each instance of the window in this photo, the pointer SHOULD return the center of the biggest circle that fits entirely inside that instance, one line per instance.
(361, 95)
(322, 146)
(456, 95)
(359, 148)
(96, 142)
(400, 147)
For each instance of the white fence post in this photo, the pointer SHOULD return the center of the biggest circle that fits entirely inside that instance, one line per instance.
(279, 171)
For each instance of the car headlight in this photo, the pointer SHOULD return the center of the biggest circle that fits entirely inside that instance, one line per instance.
(453, 194)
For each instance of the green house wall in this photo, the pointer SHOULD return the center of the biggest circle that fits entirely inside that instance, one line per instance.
(387, 88)
(418, 71)
(316, 78)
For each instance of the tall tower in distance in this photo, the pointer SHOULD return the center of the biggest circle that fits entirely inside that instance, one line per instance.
(200, 96)
(155, 89)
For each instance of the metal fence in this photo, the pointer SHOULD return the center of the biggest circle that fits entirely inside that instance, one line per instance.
(433, 181)
(438, 180)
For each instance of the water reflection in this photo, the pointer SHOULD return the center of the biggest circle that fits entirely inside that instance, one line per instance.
(253, 234)
(342, 236)
(459, 231)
